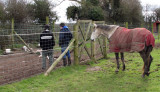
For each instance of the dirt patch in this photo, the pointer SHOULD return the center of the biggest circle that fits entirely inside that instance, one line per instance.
(20, 65)
(90, 69)
(17, 66)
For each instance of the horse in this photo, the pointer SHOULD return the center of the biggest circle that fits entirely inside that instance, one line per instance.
(123, 40)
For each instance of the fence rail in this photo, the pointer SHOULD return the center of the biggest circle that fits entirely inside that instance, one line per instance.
(20, 64)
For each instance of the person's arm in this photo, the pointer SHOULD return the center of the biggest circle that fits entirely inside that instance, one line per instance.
(61, 38)
(41, 41)
(70, 34)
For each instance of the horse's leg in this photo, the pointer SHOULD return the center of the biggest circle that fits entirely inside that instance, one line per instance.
(122, 58)
(117, 60)
(143, 55)
(149, 60)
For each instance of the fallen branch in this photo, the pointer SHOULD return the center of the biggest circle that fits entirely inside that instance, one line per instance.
(59, 58)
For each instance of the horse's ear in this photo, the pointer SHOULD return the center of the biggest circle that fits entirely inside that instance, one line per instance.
(95, 25)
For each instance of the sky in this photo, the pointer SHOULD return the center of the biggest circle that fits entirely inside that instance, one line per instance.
(155, 3)
(61, 9)
(62, 6)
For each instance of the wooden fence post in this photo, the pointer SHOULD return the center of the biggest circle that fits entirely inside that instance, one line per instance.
(47, 20)
(92, 43)
(75, 35)
(53, 24)
(142, 25)
(12, 33)
(152, 28)
(126, 24)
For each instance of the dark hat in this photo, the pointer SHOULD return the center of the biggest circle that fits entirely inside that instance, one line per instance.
(62, 25)
(46, 26)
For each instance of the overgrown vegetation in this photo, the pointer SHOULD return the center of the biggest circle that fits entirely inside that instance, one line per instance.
(89, 9)
(108, 10)
(24, 11)
(83, 78)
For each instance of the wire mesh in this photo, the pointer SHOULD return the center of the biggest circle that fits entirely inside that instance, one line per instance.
(20, 64)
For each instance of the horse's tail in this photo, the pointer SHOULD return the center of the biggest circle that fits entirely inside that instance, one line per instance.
(150, 40)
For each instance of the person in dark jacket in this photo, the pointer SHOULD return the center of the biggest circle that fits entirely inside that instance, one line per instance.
(46, 43)
(64, 38)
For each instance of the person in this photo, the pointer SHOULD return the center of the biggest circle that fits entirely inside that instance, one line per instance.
(64, 38)
(47, 43)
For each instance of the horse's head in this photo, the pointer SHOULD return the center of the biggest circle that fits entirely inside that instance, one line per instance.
(96, 33)
(106, 30)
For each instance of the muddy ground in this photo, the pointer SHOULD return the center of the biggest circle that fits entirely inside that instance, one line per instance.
(20, 65)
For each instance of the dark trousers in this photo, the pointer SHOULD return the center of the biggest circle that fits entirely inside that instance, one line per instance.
(63, 48)
(46, 53)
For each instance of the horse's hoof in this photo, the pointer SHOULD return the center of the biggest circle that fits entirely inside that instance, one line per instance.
(143, 75)
(148, 73)
(116, 71)
(124, 67)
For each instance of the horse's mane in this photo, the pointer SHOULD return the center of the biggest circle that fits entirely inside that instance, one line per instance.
(106, 27)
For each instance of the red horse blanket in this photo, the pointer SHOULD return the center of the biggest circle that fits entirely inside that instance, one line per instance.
(130, 40)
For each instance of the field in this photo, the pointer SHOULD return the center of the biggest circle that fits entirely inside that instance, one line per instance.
(23, 72)
(91, 77)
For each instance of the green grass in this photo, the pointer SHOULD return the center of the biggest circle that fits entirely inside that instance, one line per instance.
(77, 79)
(18, 45)
(1, 52)
(157, 40)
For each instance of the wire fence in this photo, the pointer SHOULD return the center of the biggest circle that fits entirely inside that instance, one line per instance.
(19, 64)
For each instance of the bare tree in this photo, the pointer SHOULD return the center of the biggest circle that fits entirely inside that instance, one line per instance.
(157, 14)
(131, 11)
(40, 9)
(17, 9)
